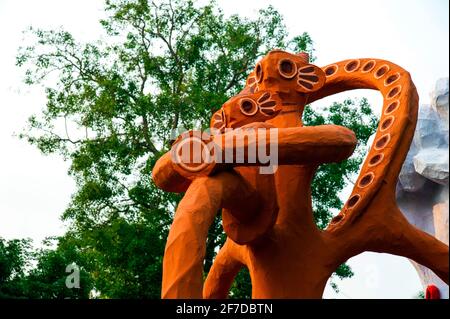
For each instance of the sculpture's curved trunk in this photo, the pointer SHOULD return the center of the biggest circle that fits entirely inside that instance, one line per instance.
(186, 243)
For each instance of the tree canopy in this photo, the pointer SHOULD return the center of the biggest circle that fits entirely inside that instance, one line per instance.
(111, 108)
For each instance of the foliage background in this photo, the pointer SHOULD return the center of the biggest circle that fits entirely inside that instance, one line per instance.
(110, 109)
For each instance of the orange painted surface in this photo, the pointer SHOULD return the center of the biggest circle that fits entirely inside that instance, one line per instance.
(268, 218)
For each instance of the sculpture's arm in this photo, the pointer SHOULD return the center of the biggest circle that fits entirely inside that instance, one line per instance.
(226, 266)
(284, 146)
(371, 220)
(186, 243)
(315, 144)
(168, 179)
(394, 133)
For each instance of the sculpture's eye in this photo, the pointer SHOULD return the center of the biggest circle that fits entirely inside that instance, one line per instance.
(219, 120)
(259, 73)
(287, 68)
(248, 106)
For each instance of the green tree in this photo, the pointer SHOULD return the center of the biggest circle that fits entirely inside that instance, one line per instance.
(112, 106)
(47, 279)
(51, 277)
(15, 257)
(332, 178)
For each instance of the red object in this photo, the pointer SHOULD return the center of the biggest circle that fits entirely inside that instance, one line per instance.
(432, 292)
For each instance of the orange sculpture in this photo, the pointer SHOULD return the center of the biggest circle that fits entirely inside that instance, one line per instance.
(268, 218)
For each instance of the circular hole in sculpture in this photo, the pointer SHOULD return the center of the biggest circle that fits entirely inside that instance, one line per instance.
(248, 107)
(219, 120)
(218, 124)
(311, 78)
(387, 123)
(392, 93)
(217, 116)
(259, 72)
(268, 108)
(376, 159)
(307, 69)
(251, 81)
(352, 66)
(264, 97)
(353, 200)
(391, 79)
(382, 142)
(392, 107)
(366, 180)
(287, 68)
(381, 71)
(330, 70)
(268, 104)
(336, 219)
(268, 111)
(368, 66)
(306, 85)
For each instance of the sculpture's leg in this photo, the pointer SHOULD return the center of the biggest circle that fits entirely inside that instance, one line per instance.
(413, 243)
(383, 228)
(186, 244)
(225, 268)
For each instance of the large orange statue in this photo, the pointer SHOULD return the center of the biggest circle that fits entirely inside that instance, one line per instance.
(267, 217)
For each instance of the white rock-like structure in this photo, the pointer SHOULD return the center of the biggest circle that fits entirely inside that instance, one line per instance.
(433, 164)
(422, 190)
(439, 99)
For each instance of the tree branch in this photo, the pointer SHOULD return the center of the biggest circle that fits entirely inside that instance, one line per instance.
(145, 130)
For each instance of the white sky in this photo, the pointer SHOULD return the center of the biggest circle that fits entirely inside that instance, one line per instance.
(34, 189)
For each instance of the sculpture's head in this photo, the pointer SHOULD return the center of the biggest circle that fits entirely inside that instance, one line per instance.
(246, 108)
(286, 73)
(280, 78)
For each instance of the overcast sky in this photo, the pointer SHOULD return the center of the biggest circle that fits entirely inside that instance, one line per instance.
(35, 189)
